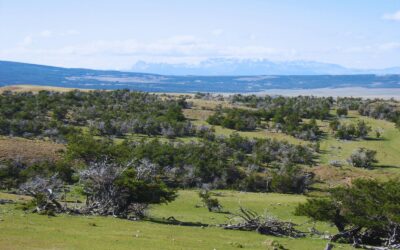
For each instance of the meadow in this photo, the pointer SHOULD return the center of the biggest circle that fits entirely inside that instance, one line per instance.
(22, 230)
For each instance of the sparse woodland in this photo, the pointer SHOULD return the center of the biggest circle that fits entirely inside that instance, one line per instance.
(128, 151)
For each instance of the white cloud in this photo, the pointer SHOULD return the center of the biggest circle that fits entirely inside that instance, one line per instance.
(372, 48)
(217, 32)
(392, 16)
(70, 32)
(173, 47)
(390, 46)
(176, 49)
(46, 33)
(26, 41)
(119, 54)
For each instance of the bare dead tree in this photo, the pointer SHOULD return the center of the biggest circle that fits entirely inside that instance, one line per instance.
(46, 193)
(122, 190)
(251, 221)
(99, 187)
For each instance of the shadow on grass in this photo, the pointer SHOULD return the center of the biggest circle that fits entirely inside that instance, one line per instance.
(375, 139)
(223, 212)
(384, 167)
(316, 189)
(323, 135)
(172, 221)
(323, 151)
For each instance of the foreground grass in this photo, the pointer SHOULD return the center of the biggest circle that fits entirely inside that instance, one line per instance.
(31, 231)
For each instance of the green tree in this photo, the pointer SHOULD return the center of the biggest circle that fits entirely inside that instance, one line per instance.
(341, 111)
(367, 211)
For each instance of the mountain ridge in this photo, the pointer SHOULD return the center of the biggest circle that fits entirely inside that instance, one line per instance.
(14, 73)
(233, 66)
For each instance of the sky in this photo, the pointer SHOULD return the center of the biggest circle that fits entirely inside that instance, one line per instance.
(116, 34)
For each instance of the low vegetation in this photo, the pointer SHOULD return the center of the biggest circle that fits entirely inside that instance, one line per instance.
(132, 155)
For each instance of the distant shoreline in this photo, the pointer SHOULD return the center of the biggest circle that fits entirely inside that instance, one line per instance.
(383, 93)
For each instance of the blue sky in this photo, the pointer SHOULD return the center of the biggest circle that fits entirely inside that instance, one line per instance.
(115, 34)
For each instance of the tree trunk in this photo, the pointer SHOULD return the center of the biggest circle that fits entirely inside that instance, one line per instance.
(329, 246)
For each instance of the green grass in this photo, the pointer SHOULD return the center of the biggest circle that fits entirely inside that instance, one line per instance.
(258, 133)
(387, 147)
(31, 231)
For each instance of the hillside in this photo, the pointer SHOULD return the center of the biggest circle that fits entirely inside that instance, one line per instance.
(238, 146)
(12, 73)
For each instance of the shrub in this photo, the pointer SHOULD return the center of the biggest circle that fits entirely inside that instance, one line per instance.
(291, 179)
(362, 158)
(350, 131)
(212, 204)
(238, 119)
(336, 163)
(341, 111)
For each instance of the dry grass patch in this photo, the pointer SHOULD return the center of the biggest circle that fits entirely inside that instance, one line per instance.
(33, 88)
(29, 150)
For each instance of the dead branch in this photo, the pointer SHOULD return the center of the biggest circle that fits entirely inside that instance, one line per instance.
(251, 221)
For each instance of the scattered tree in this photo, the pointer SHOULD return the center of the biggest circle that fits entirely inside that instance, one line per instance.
(212, 204)
(365, 213)
(341, 111)
(112, 189)
(363, 158)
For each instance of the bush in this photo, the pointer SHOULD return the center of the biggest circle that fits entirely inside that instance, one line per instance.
(362, 158)
(238, 119)
(291, 179)
(10, 174)
(362, 129)
(341, 111)
(350, 131)
(336, 163)
(334, 124)
(212, 204)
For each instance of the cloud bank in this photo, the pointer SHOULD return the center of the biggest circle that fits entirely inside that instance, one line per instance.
(392, 16)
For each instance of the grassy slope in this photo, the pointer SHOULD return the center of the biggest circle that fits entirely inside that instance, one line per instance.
(388, 147)
(201, 109)
(30, 231)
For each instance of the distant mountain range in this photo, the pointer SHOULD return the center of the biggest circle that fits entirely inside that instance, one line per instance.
(12, 73)
(224, 66)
